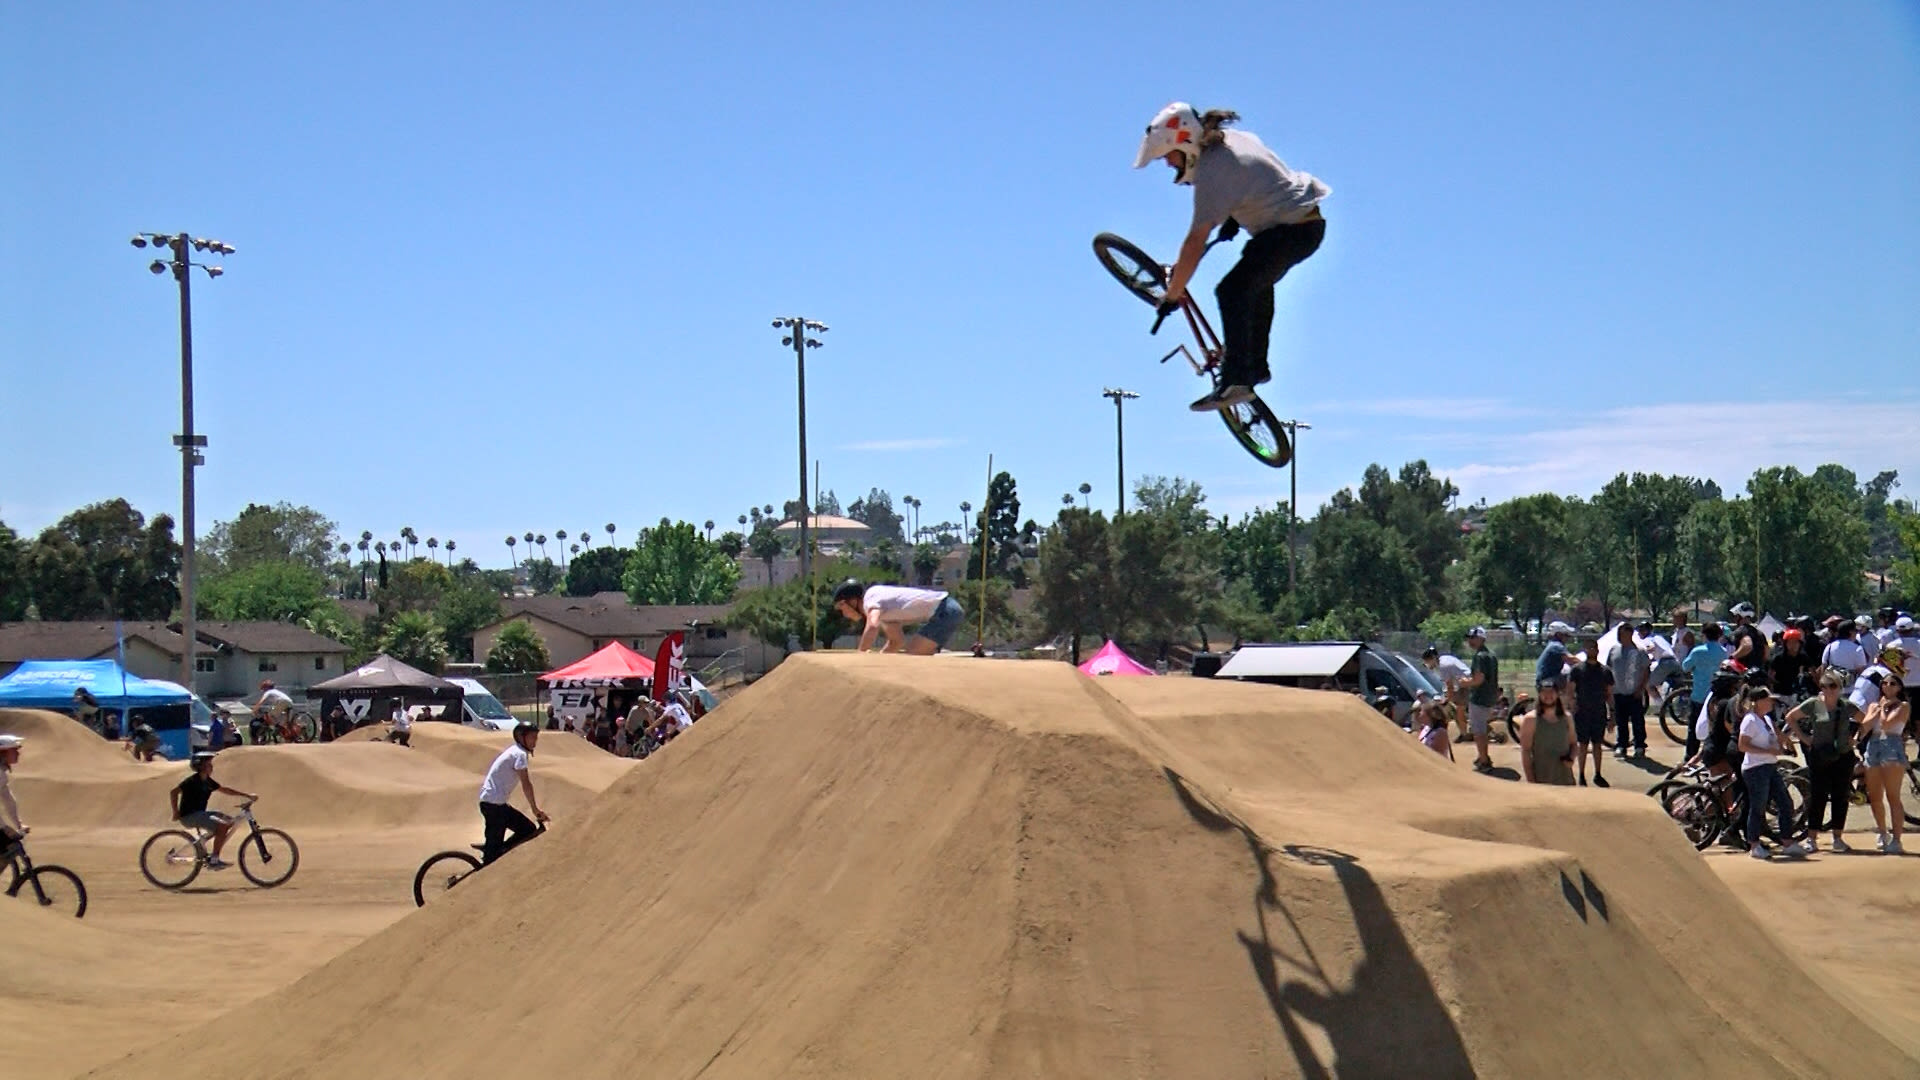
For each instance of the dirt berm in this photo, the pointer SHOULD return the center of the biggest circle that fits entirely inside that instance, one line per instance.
(871, 866)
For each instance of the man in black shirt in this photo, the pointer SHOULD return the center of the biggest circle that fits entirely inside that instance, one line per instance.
(190, 797)
(1592, 695)
(1788, 671)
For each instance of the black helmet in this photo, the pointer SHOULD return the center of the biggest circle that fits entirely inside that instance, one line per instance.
(524, 728)
(849, 590)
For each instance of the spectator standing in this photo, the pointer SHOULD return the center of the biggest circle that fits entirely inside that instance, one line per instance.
(1906, 638)
(1632, 680)
(1702, 663)
(1546, 739)
(1592, 695)
(1760, 769)
(1748, 644)
(1886, 631)
(1824, 725)
(1883, 736)
(1683, 638)
(1453, 675)
(1552, 664)
(1844, 652)
(1791, 667)
(1483, 694)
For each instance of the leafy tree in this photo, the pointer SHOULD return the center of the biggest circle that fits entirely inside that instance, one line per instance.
(415, 637)
(280, 591)
(1001, 533)
(1594, 561)
(598, 570)
(1418, 506)
(730, 543)
(829, 504)
(518, 649)
(1076, 577)
(876, 512)
(278, 533)
(1881, 511)
(105, 561)
(766, 545)
(778, 614)
(1517, 556)
(1254, 551)
(1162, 584)
(419, 585)
(1905, 561)
(674, 564)
(15, 594)
(331, 620)
(1807, 535)
(1704, 535)
(543, 575)
(1448, 629)
(1642, 517)
(925, 561)
(464, 608)
(1358, 563)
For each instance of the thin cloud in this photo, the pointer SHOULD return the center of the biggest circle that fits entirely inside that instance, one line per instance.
(890, 445)
(1419, 408)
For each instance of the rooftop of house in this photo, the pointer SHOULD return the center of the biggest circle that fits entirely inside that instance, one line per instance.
(610, 614)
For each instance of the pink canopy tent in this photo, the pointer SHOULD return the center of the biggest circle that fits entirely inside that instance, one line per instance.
(1110, 660)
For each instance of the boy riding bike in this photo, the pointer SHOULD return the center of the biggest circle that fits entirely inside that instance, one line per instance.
(513, 767)
(189, 799)
(1237, 183)
(12, 828)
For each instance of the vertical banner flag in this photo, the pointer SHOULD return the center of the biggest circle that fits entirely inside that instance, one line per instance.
(669, 665)
(120, 652)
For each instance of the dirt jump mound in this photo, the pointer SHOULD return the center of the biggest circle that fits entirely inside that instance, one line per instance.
(870, 866)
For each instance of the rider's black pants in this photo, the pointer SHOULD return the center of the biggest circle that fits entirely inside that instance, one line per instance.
(502, 819)
(1246, 296)
(1832, 786)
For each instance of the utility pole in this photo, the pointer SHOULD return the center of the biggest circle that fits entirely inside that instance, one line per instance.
(797, 330)
(190, 444)
(1294, 428)
(1119, 443)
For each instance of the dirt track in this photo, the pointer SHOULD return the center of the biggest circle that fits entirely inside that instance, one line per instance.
(870, 866)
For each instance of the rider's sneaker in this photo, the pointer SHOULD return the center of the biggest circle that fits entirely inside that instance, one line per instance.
(1840, 847)
(217, 864)
(1235, 395)
(1893, 847)
(1761, 853)
(1796, 851)
(1209, 402)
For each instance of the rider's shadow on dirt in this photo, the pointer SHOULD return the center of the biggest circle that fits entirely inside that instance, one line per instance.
(1387, 1020)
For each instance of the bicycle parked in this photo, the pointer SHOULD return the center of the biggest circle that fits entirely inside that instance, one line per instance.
(172, 858)
(55, 887)
(443, 870)
(1713, 808)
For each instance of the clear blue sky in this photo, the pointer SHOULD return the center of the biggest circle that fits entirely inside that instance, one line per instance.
(502, 271)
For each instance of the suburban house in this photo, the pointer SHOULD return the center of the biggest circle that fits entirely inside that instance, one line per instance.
(229, 661)
(573, 627)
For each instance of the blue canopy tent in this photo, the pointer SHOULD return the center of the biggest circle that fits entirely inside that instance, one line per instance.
(49, 684)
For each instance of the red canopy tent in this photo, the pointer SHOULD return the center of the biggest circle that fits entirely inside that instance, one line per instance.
(611, 666)
(1111, 660)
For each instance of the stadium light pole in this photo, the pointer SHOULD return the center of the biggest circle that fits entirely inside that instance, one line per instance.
(1119, 442)
(181, 263)
(798, 329)
(1294, 428)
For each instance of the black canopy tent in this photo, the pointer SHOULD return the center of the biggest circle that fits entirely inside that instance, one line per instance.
(370, 691)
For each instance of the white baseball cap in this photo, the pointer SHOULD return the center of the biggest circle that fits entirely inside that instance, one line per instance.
(1903, 623)
(11, 742)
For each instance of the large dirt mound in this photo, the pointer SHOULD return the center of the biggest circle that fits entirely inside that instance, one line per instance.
(874, 866)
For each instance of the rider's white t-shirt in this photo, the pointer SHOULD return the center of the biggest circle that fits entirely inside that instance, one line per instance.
(900, 604)
(275, 699)
(1846, 654)
(1451, 670)
(1765, 741)
(503, 775)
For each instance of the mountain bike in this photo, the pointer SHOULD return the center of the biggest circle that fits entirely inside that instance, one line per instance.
(172, 858)
(55, 887)
(1678, 710)
(1715, 808)
(298, 727)
(1253, 425)
(443, 870)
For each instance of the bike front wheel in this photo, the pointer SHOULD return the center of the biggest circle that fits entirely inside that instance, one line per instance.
(1134, 269)
(440, 873)
(1676, 718)
(1910, 800)
(269, 857)
(1258, 432)
(169, 859)
(304, 728)
(1698, 810)
(55, 887)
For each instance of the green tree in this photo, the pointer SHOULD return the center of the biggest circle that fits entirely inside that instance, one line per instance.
(1448, 629)
(518, 649)
(1704, 536)
(674, 564)
(1358, 563)
(829, 504)
(330, 620)
(1162, 586)
(598, 570)
(279, 591)
(876, 512)
(1001, 533)
(1643, 514)
(105, 561)
(925, 561)
(766, 545)
(1418, 506)
(419, 585)
(1076, 577)
(1904, 561)
(464, 608)
(1594, 560)
(731, 544)
(15, 593)
(1517, 555)
(543, 575)
(278, 533)
(1254, 551)
(1808, 537)
(415, 637)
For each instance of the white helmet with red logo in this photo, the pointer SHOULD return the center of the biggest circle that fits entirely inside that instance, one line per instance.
(1176, 127)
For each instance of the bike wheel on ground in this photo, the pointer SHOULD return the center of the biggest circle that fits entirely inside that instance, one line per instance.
(440, 873)
(1675, 720)
(54, 887)
(1258, 432)
(304, 727)
(1697, 808)
(269, 857)
(169, 859)
(1132, 268)
(1910, 798)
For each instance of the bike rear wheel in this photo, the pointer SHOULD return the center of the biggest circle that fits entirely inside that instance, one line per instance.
(440, 873)
(1698, 810)
(269, 857)
(1134, 269)
(55, 887)
(1675, 718)
(1258, 432)
(304, 727)
(169, 859)
(1910, 799)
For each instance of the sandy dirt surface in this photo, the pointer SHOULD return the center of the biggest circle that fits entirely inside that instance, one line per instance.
(872, 866)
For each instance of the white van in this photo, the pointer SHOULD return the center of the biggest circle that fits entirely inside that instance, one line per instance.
(480, 709)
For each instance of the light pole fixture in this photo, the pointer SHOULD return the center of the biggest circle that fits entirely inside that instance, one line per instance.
(1119, 442)
(798, 335)
(179, 260)
(1294, 428)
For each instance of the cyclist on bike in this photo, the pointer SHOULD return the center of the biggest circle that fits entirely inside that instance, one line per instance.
(12, 828)
(1237, 183)
(189, 799)
(143, 742)
(511, 767)
(272, 708)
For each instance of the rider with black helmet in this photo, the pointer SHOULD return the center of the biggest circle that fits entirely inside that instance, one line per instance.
(511, 767)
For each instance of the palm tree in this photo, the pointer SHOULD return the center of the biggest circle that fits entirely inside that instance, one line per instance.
(366, 538)
(915, 503)
(609, 534)
(966, 521)
(381, 547)
(561, 535)
(709, 530)
(450, 546)
(529, 539)
(1066, 499)
(542, 541)
(512, 560)
(1085, 490)
(433, 545)
(743, 523)
(411, 537)
(575, 548)
(755, 511)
